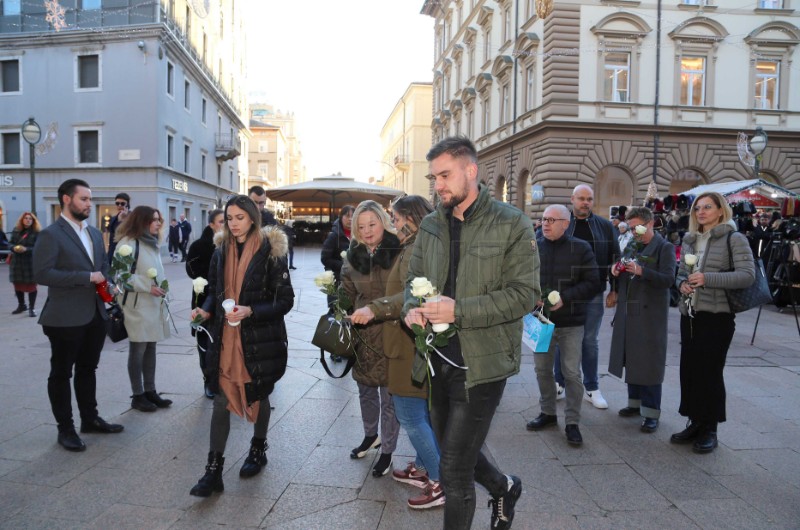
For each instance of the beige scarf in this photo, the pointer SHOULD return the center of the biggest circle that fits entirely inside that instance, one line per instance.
(233, 373)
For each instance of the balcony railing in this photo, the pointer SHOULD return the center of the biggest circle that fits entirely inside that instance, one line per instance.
(401, 161)
(228, 146)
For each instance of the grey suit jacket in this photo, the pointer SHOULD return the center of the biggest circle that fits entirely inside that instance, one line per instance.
(61, 263)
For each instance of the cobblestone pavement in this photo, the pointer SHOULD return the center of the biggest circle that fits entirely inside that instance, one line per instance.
(620, 478)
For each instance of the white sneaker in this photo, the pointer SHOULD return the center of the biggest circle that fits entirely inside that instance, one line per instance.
(596, 399)
(560, 392)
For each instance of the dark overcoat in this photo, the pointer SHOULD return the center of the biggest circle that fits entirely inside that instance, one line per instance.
(21, 270)
(639, 340)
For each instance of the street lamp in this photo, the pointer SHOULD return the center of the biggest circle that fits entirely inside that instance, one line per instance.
(32, 134)
(758, 143)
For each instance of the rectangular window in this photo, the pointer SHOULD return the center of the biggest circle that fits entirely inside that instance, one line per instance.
(187, 91)
(88, 147)
(471, 60)
(203, 109)
(170, 79)
(203, 167)
(9, 75)
(470, 121)
(170, 151)
(505, 107)
(263, 146)
(486, 116)
(11, 7)
(530, 8)
(90, 4)
(530, 90)
(770, 4)
(189, 23)
(767, 85)
(187, 158)
(487, 44)
(693, 81)
(12, 149)
(88, 71)
(506, 24)
(263, 170)
(617, 78)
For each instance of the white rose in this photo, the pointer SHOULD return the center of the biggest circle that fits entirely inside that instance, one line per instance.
(324, 279)
(124, 251)
(421, 287)
(199, 284)
(554, 297)
(690, 259)
(344, 255)
(641, 230)
(152, 273)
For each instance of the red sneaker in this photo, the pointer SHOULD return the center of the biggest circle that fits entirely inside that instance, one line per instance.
(411, 475)
(432, 496)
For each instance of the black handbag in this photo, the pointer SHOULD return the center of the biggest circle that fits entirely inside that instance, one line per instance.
(756, 294)
(115, 326)
(335, 337)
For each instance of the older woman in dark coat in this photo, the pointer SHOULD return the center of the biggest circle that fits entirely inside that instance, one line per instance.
(22, 242)
(639, 340)
(249, 352)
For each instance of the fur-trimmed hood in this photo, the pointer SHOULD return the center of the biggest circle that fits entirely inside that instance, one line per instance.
(278, 242)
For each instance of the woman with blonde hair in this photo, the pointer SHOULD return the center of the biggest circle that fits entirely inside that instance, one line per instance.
(21, 271)
(707, 322)
(249, 350)
(146, 314)
(365, 273)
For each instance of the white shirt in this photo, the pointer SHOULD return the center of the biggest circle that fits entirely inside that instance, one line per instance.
(82, 230)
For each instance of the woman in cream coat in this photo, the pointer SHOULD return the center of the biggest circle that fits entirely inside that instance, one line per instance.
(146, 313)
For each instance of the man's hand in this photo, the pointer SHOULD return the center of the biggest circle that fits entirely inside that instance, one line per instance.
(96, 277)
(362, 316)
(441, 312)
(556, 307)
(415, 316)
(611, 299)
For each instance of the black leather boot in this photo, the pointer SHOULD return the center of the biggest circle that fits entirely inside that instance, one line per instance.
(212, 480)
(707, 440)
(153, 397)
(687, 435)
(256, 459)
(20, 309)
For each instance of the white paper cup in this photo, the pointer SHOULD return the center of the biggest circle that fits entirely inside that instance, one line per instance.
(228, 306)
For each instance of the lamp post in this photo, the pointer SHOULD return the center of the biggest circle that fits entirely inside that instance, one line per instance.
(758, 143)
(394, 171)
(32, 134)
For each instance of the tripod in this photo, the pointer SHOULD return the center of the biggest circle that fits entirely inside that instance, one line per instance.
(780, 274)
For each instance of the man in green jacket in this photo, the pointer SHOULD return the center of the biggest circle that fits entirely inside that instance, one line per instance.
(481, 256)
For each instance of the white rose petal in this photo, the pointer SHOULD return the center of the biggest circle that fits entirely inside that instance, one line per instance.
(554, 297)
(641, 230)
(324, 279)
(344, 254)
(152, 273)
(690, 259)
(199, 284)
(124, 251)
(421, 287)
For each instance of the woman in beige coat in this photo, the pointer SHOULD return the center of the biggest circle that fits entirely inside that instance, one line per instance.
(372, 253)
(146, 313)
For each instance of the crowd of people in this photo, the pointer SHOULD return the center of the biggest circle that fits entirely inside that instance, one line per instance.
(489, 268)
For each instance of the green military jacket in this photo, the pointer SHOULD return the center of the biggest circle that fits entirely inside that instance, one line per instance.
(497, 283)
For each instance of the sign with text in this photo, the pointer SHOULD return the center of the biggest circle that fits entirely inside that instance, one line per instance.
(180, 185)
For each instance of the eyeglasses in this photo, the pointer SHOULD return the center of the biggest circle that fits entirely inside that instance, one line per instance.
(158, 220)
(121, 203)
(551, 220)
(704, 207)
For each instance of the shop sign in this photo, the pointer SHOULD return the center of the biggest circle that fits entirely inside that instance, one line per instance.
(758, 200)
(6, 180)
(180, 185)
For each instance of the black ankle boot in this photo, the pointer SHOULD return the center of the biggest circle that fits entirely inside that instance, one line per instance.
(212, 480)
(20, 309)
(256, 459)
(153, 397)
(689, 434)
(31, 312)
(707, 440)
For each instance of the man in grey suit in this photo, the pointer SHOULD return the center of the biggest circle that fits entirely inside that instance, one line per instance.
(70, 259)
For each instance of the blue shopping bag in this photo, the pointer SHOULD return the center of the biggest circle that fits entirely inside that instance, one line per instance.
(537, 332)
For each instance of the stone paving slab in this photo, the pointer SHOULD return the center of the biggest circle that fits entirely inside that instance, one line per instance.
(619, 478)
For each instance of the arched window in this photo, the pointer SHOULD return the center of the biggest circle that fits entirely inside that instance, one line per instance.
(524, 197)
(501, 189)
(613, 187)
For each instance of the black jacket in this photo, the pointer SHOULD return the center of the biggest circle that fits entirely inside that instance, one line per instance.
(174, 236)
(332, 249)
(569, 267)
(267, 218)
(606, 245)
(198, 262)
(267, 289)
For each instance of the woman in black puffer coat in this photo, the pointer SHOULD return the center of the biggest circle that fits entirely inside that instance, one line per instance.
(249, 352)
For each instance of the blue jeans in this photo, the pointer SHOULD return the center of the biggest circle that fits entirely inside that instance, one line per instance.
(461, 419)
(412, 413)
(647, 398)
(590, 346)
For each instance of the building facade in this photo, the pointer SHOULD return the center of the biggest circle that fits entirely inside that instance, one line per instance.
(145, 97)
(617, 93)
(406, 139)
(275, 143)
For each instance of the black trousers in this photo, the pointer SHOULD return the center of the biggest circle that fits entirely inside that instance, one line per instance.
(461, 423)
(79, 347)
(705, 340)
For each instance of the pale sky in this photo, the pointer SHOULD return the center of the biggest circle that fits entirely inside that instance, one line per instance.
(340, 66)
